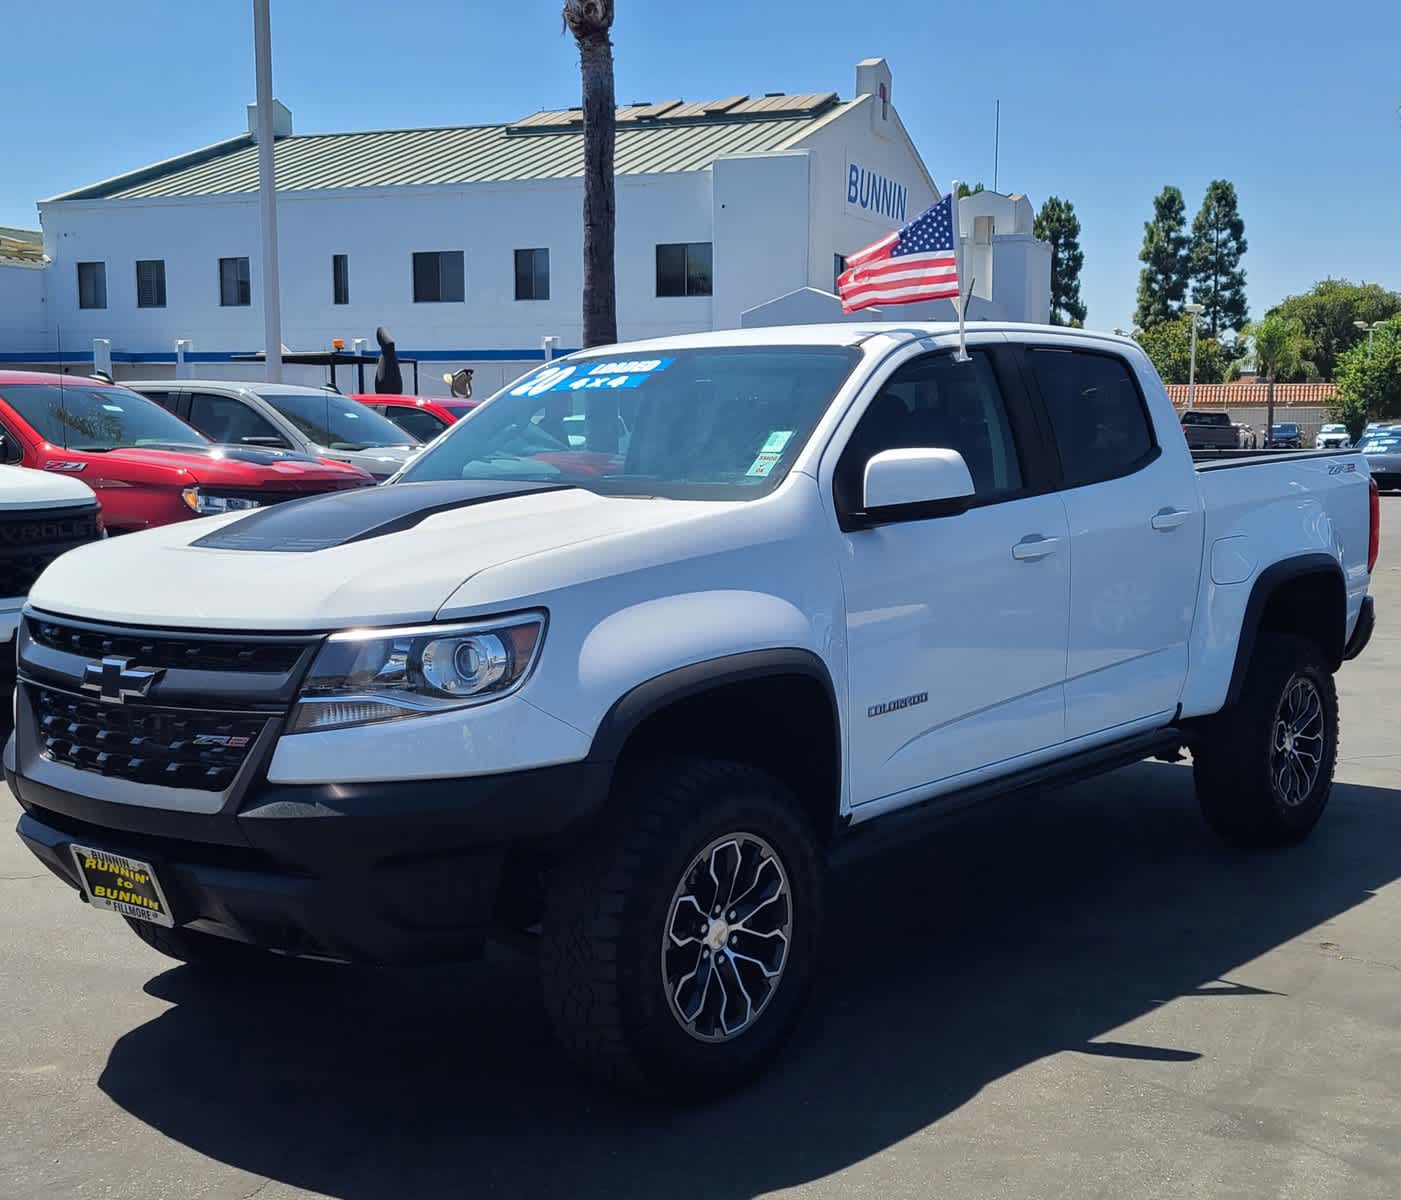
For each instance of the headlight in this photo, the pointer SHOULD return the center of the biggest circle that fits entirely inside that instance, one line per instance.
(367, 675)
(206, 505)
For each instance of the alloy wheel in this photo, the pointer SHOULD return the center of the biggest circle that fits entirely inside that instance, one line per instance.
(727, 935)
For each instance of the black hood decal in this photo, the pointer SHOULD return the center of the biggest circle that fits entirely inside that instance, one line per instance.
(339, 518)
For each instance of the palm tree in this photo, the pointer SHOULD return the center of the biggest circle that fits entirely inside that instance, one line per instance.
(1280, 347)
(590, 21)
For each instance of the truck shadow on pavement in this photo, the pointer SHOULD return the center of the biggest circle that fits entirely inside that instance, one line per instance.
(1018, 930)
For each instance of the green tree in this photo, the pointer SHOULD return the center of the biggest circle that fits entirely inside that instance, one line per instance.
(590, 21)
(1329, 312)
(1218, 244)
(965, 190)
(1057, 223)
(1281, 351)
(1169, 345)
(1369, 380)
(1162, 284)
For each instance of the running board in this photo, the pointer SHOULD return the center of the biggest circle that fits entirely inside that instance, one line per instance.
(908, 824)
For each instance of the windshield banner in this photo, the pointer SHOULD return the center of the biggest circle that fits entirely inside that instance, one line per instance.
(580, 377)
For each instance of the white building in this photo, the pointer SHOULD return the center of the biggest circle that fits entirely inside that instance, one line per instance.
(466, 242)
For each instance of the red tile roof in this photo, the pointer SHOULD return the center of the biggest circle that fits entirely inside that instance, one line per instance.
(1251, 395)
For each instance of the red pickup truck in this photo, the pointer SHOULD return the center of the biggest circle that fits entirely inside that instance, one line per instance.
(147, 467)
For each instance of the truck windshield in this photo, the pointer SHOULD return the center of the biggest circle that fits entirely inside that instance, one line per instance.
(337, 423)
(721, 423)
(93, 419)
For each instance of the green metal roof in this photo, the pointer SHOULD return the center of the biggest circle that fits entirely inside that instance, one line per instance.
(666, 137)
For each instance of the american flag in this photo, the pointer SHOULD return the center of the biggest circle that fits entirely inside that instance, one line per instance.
(918, 262)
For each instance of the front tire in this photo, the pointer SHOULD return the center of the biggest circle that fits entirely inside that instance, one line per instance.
(679, 946)
(1264, 767)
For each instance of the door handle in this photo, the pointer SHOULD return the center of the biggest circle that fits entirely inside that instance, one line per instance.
(1169, 518)
(1034, 546)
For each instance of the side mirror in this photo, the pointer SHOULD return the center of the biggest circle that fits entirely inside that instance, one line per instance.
(914, 485)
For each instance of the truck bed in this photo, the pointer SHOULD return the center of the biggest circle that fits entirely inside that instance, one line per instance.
(1216, 460)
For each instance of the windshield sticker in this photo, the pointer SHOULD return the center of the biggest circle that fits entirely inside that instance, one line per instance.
(579, 377)
(777, 440)
(763, 463)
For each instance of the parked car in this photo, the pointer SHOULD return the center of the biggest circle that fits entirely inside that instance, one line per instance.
(1284, 435)
(823, 597)
(313, 421)
(1332, 437)
(1206, 429)
(147, 467)
(1382, 450)
(423, 417)
(42, 515)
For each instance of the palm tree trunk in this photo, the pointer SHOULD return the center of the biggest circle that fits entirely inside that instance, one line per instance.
(600, 286)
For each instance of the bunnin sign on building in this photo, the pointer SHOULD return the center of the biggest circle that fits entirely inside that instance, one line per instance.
(872, 192)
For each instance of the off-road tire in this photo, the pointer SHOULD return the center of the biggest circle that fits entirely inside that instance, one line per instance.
(1234, 753)
(608, 907)
(204, 950)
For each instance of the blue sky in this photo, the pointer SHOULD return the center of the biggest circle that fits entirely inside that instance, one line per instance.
(1102, 103)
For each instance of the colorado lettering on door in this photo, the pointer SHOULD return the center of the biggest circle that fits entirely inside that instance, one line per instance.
(875, 193)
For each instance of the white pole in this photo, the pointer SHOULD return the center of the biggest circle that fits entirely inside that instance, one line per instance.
(102, 356)
(182, 347)
(548, 344)
(267, 196)
(961, 355)
(1192, 367)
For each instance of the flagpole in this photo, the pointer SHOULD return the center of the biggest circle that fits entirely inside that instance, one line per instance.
(961, 354)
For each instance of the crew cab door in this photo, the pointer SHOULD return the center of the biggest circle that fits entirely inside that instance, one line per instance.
(956, 625)
(1136, 528)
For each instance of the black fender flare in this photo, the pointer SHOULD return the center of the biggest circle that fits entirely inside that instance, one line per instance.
(634, 706)
(1266, 584)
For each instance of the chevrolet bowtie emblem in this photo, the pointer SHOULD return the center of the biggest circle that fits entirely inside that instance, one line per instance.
(116, 681)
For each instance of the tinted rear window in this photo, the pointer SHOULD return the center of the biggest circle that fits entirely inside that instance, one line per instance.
(1205, 418)
(1101, 426)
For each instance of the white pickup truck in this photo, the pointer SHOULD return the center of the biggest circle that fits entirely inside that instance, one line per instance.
(628, 655)
(42, 515)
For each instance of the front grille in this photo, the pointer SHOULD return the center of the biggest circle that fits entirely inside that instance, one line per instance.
(180, 652)
(30, 541)
(165, 747)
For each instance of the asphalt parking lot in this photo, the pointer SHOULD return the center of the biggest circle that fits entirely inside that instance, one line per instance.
(1078, 994)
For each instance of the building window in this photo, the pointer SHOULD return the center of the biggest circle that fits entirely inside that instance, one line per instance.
(683, 269)
(438, 277)
(92, 285)
(838, 266)
(340, 279)
(150, 283)
(532, 274)
(234, 288)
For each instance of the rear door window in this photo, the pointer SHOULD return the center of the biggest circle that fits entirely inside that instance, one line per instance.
(232, 422)
(1097, 414)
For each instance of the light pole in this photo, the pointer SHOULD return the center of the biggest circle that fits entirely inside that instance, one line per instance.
(267, 195)
(1369, 330)
(1194, 311)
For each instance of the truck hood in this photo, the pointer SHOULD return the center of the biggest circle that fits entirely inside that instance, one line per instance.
(239, 466)
(22, 488)
(372, 556)
(380, 461)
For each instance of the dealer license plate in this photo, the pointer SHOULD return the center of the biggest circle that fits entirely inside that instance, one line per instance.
(123, 885)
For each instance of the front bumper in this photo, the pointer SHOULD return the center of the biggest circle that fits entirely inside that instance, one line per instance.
(373, 873)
